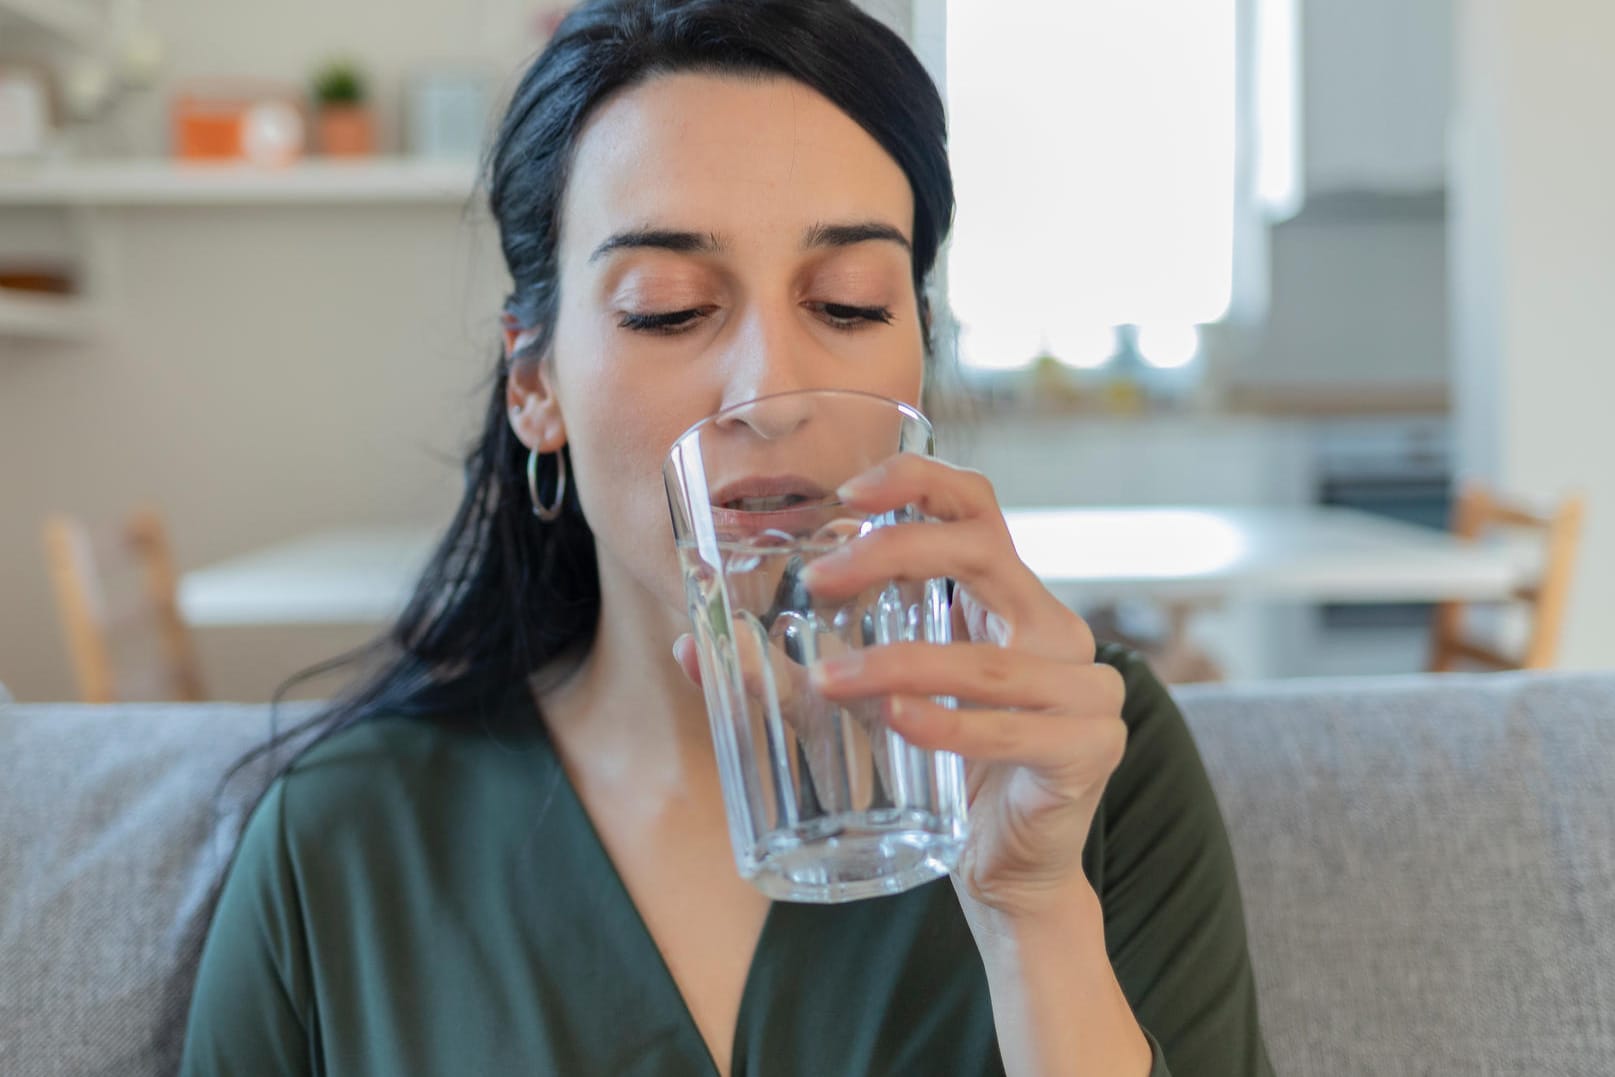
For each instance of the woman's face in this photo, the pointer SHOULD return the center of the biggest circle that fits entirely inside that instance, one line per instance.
(722, 239)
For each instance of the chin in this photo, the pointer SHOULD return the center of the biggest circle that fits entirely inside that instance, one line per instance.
(646, 575)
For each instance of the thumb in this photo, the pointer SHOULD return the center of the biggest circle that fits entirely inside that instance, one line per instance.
(684, 654)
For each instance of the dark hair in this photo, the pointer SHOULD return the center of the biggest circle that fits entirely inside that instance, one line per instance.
(506, 595)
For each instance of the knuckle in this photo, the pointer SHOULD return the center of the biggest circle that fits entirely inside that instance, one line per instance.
(917, 669)
(977, 556)
(1081, 637)
(1112, 741)
(995, 735)
(981, 488)
(995, 665)
(1111, 684)
(892, 666)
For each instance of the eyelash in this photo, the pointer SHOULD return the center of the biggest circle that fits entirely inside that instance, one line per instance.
(672, 323)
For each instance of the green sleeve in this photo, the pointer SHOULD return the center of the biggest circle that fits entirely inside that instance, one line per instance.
(247, 1009)
(1174, 921)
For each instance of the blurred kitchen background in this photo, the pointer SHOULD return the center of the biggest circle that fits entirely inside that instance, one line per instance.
(1248, 259)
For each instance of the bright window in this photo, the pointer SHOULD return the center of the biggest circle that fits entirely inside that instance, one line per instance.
(1093, 145)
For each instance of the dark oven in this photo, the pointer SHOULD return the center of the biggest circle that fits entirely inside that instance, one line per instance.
(1395, 468)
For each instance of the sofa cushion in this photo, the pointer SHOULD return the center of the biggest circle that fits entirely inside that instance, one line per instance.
(1428, 867)
(113, 830)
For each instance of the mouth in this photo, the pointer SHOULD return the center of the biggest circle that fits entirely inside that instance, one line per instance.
(782, 505)
(773, 493)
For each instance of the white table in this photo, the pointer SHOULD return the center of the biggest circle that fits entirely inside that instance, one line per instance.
(1314, 554)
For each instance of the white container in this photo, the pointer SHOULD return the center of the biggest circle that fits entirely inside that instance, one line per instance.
(446, 114)
(24, 112)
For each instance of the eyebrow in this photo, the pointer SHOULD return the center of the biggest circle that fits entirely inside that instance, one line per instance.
(816, 236)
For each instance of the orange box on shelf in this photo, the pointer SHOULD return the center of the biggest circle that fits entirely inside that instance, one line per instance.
(257, 123)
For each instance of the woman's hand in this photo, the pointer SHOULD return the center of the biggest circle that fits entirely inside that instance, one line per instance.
(1039, 722)
(1040, 728)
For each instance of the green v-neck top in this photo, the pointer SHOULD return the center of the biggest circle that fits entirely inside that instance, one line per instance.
(414, 897)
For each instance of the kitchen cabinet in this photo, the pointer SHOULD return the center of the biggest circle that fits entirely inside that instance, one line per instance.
(1164, 459)
(1375, 95)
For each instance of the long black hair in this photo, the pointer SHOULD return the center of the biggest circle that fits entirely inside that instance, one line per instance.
(506, 595)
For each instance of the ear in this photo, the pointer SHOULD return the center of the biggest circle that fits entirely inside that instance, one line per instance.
(530, 398)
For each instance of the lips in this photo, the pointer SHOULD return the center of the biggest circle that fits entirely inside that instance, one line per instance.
(767, 493)
(788, 503)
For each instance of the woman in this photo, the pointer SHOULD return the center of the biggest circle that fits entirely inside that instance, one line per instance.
(508, 851)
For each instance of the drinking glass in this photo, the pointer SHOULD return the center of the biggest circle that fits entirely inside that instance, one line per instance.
(825, 802)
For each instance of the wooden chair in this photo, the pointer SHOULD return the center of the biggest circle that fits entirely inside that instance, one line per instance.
(1478, 513)
(96, 619)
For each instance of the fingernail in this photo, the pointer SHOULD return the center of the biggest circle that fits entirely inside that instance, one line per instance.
(859, 485)
(906, 714)
(840, 668)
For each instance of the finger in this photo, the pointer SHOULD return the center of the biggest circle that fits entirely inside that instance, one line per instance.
(778, 689)
(771, 678)
(787, 677)
(939, 490)
(1055, 631)
(1062, 747)
(688, 658)
(766, 672)
(784, 678)
(978, 554)
(978, 673)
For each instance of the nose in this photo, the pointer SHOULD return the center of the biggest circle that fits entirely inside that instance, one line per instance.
(772, 417)
(771, 355)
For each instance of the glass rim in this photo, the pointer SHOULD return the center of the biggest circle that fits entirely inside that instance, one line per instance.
(908, 410)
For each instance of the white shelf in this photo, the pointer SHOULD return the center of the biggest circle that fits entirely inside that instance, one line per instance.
(45, 317)
(73, 20)
(171, 183)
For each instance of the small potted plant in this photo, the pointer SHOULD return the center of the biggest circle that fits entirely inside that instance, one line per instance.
(344, 123)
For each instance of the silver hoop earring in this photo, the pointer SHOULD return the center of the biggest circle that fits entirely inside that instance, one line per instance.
(548, 513)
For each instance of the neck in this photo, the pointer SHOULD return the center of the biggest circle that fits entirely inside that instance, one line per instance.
(628, 716)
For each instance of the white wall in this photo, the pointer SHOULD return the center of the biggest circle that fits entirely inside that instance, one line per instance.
(1533, 236)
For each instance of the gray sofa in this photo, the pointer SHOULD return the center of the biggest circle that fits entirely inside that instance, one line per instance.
(1428, 868)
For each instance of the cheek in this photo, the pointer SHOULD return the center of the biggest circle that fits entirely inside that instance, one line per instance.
(617, 450)
(619, 430)
(902, 378)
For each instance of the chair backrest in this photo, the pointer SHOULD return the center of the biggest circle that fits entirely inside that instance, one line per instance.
(1476, 514)
(96, 617)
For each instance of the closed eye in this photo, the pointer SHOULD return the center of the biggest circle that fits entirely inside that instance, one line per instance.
(845, 317)
(664, 324)
(838, 315)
